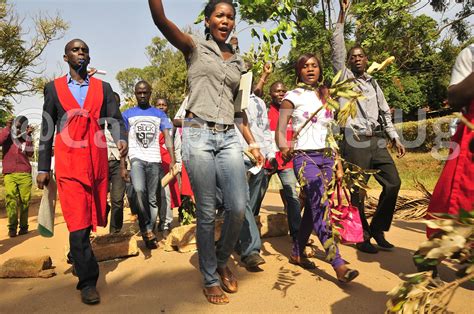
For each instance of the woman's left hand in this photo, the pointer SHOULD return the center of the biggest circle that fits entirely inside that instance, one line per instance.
(258, 156)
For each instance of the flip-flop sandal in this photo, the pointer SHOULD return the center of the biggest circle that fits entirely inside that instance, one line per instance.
(349, 275)
(221, 297)
(303, 263)
(228, 284)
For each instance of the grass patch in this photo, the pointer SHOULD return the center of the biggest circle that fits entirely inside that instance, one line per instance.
(422, 166)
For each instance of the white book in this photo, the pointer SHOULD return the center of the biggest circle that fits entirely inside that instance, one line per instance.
(245, 89)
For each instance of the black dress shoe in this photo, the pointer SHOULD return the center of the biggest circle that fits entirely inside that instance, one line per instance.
(151, 244)
(12, 233)
(253, 260)
(89, 295)
(23, 231)
(367, 247)
(382, 243)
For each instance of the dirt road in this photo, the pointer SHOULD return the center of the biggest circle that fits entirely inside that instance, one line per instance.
(158, 281)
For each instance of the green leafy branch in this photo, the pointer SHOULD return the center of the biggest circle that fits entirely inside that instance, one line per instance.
(188, 210)
(420, 293)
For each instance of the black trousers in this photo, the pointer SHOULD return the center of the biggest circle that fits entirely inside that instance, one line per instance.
(117, 192)
(83, 259)
(372, 153)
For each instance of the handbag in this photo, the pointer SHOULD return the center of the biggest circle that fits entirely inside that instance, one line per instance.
(346, 218)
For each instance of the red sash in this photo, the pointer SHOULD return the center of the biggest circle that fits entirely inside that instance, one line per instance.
(81, 158)
(455, 187)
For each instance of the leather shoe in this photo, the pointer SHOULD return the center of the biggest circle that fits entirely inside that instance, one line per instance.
(151, 244)
(23, 231)
(253, 260)
(12, 233)
(89, 295)
(381, 242)
(366, 247)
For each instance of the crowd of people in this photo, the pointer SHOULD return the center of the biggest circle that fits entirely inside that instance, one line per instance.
(225, 157)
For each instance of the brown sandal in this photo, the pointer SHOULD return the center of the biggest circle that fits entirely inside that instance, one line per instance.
(302, 262)
(221, 298)
(228, 282)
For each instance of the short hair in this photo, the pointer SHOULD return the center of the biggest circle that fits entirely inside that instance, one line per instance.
(163, 98)
(275, 84)
(349, 53)
(143, 82)
(71, 42)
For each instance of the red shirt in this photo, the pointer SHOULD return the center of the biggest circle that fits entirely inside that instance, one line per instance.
(15, 159)
(273, 116)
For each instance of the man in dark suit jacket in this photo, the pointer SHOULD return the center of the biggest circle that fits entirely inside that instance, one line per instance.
(77, 105)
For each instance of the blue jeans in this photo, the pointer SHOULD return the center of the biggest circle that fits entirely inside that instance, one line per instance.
(215, 158)
(145, 179)
(293, 211)
(249, 240)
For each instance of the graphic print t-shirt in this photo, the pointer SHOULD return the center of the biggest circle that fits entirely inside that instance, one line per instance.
(144, 127)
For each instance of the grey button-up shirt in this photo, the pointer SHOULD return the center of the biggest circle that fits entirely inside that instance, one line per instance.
(213, 82)
(374, 98)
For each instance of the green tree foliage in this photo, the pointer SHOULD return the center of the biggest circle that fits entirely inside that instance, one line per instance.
(420, 74)
(166, 73)
(20, 57)
(458, 25)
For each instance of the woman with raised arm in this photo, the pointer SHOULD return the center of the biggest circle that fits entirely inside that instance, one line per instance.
(211, 148)
(312, 161)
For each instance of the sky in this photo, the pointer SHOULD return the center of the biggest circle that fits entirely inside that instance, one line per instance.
(117, 32)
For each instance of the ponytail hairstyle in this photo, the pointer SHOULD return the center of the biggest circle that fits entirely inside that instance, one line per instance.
(209, 9)
(322, 90)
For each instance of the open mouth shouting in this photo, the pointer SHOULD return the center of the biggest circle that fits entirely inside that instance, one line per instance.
(223, 31)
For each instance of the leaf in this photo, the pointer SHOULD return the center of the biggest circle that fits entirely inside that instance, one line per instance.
(200, 18)
(445, 225)
(336, 78)
(254, 33)
(398, 306)
(334, 105)
(328, 243)
(395, 290)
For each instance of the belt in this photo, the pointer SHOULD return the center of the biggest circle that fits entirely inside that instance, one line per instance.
(202, 124)
(310, 151)
(377, 132)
